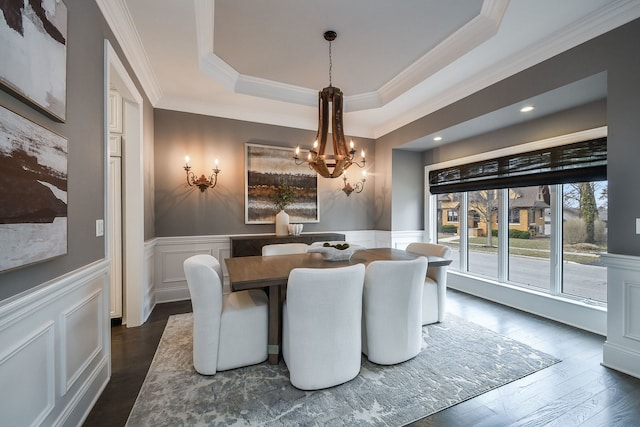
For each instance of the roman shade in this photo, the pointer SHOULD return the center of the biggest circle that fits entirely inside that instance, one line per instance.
(578, 162)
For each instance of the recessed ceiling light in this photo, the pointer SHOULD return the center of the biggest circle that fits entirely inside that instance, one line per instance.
(526, 109)
(437, 138)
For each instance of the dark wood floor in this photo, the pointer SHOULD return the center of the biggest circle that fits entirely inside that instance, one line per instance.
(576, 392)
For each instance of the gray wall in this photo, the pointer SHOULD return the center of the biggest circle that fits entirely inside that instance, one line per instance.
(407, 190)
(617, 53)
(84, 130)
(185, 211)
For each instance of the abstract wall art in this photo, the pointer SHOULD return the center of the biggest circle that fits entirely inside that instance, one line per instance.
(267, 167)
(33, 192)
(33, 48)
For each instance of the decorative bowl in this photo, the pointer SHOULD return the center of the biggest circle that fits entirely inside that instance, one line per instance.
(331, 253)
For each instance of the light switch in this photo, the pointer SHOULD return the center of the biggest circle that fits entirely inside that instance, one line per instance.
(99, 227)
(637, 225)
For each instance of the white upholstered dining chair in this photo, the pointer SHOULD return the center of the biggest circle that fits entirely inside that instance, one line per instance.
(229, 331)
(284, 249)
(434, 295)
(321, 328)
(392, 310)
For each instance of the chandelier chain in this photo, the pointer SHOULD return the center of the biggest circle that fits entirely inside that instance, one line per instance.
(330, 64)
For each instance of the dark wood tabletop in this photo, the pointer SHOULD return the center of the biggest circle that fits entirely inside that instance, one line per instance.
(261, 272)
(272, 273)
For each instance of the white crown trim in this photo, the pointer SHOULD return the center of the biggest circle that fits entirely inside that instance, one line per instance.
(462, 41)
(256, 86)
(363, 101)
(591, 26)
(121, 23)
(471, 35)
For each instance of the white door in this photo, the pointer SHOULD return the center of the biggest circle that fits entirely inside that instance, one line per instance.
(114, 225)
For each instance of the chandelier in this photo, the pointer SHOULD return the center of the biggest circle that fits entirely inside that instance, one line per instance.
(330, 165)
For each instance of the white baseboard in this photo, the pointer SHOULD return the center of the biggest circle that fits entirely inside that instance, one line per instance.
(621, 359)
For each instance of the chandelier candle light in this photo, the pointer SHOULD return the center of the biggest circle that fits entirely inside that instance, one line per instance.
(203, 182)
(330, 165)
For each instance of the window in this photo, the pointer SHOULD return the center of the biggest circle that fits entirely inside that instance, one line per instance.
(448, 206)
(514, 216)
(584, 235)
(529, 256)
(545, 235)
(482, 247)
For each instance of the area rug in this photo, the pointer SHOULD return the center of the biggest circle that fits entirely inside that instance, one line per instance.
(461, 360)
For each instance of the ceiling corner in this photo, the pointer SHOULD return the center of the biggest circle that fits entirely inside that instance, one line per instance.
(121, 23)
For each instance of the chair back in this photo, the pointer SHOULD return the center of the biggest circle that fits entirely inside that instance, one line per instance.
(284, 249)
(438, 274)
(321, 334)
(204, 279)
(431, 249)
(392, 329)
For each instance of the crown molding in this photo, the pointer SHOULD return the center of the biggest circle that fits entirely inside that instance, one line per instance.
(468, 37)
(204, 10)
(362, 101)
(605, 19)
(591, 26)
(119, 19)
(278, 91)
(459, 43)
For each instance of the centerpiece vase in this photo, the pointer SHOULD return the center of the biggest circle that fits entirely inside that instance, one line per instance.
(282, 223)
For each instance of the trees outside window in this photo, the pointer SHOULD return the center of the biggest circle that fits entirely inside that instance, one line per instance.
(584, 228)
(576, 213)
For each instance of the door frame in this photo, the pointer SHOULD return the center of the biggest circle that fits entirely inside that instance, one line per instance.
(133, 275)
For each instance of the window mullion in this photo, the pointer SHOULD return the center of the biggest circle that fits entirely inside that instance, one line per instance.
(503, 235)
(463, 230)
(556, 239)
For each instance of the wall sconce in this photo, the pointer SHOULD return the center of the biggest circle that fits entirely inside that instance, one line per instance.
(203, 182)
(357, 187)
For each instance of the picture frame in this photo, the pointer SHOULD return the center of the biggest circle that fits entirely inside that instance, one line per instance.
(267, 167)
(33, 192)
(34, 55)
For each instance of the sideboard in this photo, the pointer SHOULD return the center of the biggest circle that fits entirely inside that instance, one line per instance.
(248, 245)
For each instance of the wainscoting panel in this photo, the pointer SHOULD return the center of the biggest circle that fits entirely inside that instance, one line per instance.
(631, 314)
(27, 375)
(54, 358)
(149, 293)
(170, 254)
(85, 320)
(401, 239)
(622, 348)
(364, 238)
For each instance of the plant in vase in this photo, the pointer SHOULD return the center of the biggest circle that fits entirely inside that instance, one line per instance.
(283, 197)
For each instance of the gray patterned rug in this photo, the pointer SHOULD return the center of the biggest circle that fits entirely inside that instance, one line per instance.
(462, 360)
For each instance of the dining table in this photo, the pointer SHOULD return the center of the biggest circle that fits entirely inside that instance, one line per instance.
(272, 273)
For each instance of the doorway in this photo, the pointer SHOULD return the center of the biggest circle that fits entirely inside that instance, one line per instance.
(131, 211)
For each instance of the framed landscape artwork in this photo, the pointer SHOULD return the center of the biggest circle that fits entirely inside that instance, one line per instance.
(268, 167)
(33, 48)
(33, 192)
